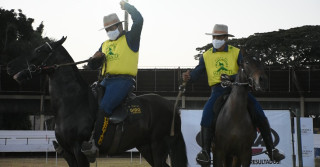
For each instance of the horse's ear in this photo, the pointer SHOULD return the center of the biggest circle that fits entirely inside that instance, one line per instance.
(60, 42)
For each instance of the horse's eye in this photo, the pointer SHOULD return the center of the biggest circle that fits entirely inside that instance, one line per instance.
(38, 51)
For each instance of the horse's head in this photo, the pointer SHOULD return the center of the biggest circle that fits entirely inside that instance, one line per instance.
(253, 70)
(41, 56)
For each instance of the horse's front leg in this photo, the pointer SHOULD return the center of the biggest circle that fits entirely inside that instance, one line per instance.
(80, 158)
(219, 159)
(229, 161)
(246, 158)
(69, 157)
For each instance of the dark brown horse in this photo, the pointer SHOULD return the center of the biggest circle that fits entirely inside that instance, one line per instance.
(235, 131)
(76, 110)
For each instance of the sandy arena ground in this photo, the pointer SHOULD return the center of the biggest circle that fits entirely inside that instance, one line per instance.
(51, 162)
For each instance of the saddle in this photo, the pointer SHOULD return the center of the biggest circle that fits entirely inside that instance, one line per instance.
(130, 106)
(108, 137)
(220, 103)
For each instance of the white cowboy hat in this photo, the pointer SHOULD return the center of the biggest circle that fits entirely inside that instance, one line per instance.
(220, 29)
(110, 20)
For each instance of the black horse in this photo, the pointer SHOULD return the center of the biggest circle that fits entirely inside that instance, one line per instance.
(235, 131)
(76, 107)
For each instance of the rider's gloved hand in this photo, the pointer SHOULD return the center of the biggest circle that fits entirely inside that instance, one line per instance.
(225, 77)
(226, 80)
(96, 60)
(122, 3)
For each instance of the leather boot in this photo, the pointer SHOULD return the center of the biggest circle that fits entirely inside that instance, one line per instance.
(265, 131)
(89, 148)
(203, 157)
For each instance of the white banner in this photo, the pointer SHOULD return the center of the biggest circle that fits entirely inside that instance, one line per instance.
(316, 140)
(306, 142)
(279, 122)
(190, 128)
(281, 133)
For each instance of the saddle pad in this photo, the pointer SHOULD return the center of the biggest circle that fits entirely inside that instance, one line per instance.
(125, 110)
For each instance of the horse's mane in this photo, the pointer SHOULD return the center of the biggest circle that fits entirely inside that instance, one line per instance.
(75, 69)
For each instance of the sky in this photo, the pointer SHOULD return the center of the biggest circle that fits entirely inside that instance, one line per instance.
(172, 28)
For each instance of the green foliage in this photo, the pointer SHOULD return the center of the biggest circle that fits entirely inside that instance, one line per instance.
(297, 47)
(17, 36)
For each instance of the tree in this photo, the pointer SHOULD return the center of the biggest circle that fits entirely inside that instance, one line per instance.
(17, 35)
(296, 47)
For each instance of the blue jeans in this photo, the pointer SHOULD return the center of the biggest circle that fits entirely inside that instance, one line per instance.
(217, 91)
(117, 89)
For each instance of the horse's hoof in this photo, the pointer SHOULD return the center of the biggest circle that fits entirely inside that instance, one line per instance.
(57, 147)
(91, 159)
(90, 151)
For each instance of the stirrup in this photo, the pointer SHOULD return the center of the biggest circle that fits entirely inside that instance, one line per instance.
(203, 158)
(277, 155)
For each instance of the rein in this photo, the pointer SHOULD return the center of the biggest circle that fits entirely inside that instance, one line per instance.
(182, 89)
(56, 66)
(229, 83)
(33, 68)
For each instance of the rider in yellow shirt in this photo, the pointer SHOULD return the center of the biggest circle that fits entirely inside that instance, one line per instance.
(223, 60)
(118, 59)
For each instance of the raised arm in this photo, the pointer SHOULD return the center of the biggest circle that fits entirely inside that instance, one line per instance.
(133, 36)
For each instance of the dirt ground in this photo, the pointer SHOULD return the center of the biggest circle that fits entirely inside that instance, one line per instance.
(51, 162)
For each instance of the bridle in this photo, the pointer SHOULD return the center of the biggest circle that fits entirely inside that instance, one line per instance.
(31, 68)
(249, 83)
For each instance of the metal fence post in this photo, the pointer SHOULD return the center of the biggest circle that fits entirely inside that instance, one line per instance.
(299, 138)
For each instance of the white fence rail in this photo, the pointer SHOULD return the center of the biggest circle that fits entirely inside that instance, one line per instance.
(26, 141)
(29, 141)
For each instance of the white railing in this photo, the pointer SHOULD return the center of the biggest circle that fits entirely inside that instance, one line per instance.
(29, 141)
(32, 141)
(26, 141)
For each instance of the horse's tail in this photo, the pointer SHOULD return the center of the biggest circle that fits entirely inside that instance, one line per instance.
(178, 153)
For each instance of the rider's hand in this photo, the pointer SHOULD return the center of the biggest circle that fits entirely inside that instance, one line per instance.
(96, 60)
(186, 76)
(226, 80)
(97, 55)
(122, 4)
(225, 77)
